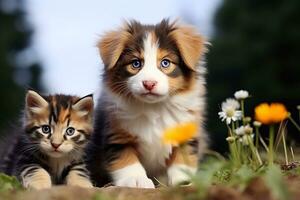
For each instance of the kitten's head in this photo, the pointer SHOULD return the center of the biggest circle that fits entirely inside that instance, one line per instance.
(58, 124)
(150, 63)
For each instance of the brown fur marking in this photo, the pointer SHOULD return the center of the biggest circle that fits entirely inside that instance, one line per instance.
(190, 45)
(127, 157)
(183, 155)
(111, 47)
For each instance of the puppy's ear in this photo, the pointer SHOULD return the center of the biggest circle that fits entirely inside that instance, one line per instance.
(190, 44)
(111, 47)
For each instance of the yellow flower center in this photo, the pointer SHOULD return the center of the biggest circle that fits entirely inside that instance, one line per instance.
(230, 113)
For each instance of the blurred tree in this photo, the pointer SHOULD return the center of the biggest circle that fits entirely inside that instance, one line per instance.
(256, 47)
(15, 73)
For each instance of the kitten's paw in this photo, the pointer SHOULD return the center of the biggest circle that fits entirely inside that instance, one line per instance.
(180, 175)
(138, 181)
(39, 179)
(75, 179)
(81, 183)
(39, 185)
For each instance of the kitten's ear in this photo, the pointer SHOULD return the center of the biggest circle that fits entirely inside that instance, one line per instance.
(35, 103)
(191, 45)
(84, 106)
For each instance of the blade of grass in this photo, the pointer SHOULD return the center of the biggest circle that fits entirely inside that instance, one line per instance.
(292, 153)
(264, 144)
(282, 128)
(284, 148)
(294, 122)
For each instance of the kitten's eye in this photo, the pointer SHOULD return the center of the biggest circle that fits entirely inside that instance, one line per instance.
(165, 63)
(46, 129)
(136, 64)
(70, 131)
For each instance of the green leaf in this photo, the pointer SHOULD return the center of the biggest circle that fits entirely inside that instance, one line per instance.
(274, 180)
(9, 183)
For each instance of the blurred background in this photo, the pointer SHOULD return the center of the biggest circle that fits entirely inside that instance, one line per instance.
(49, 46)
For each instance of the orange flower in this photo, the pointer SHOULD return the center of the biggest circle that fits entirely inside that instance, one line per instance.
(268, 114)
(262, 113)
(180, 133)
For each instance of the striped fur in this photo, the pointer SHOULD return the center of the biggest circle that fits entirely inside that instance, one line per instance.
(153, 79)
(50, 147)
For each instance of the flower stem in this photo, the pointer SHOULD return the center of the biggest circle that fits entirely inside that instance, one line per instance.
(243, 111)
(285, 150)
(271, 144)
(184, 152)
(254, 151)
(264, 144)
(294, 122)
(233, 146)
(257, 137)
(259, 158)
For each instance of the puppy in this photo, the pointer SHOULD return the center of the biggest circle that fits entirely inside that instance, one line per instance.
(153, 79)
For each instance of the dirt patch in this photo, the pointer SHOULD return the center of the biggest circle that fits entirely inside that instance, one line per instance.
(256, 190)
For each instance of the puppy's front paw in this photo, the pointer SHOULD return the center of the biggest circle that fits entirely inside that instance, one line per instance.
(180, 175)
(138, 181)
(132, 176)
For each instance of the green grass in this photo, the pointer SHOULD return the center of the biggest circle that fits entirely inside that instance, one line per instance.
(224, 173)
(9, 183)
(212, 172)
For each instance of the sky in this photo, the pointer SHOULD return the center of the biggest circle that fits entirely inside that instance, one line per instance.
(66, 33)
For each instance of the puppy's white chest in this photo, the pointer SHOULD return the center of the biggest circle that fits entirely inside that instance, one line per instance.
(153, 152)
(148, 123)
(149, 128)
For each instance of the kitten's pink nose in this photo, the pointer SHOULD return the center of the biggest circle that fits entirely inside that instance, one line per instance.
(55, 145)
(149, 85)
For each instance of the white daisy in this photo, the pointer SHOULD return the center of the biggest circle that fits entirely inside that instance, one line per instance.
(241, 94)
(242, 130)
(229, 111)
(232, 103)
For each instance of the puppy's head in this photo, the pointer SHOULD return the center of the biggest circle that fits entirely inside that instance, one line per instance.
(151, 62)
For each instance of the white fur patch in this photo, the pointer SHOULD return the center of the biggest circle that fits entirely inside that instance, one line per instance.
(132, 176)
(149, 72)
(179, 173)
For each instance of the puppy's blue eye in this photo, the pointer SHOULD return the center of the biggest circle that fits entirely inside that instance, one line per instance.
(46, 129)
(136, 63)
(165, 63)
(70, 131)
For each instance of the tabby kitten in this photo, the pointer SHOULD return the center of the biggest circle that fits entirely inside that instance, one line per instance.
(50, 148)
